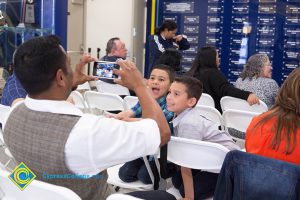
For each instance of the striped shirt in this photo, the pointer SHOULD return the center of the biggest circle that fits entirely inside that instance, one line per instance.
(137, 110)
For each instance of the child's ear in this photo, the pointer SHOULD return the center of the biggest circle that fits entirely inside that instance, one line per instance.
(192, 102)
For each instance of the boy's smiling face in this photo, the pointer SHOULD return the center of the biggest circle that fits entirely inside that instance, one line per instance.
(177, 98)
(159, 83)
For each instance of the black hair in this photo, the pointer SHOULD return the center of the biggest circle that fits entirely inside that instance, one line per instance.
(194, 87)
(111, 44)
(36, 63)
(172, 58)
(165, 68)
(205, 58)
(167, 24)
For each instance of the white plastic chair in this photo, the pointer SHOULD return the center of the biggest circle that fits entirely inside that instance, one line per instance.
(206, 100)
(103, 101)
(114, 179)
(195, 154)
(238, 120)
(36, 190)
(210, 113)
(228, 102)
(111, 88)
(79, 101)
(84, 86)
(121, 197)
(130, 101)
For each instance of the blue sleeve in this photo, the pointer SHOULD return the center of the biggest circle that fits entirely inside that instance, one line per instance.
(183, 44)
(154, 52)
(137, 110)
(12, 90)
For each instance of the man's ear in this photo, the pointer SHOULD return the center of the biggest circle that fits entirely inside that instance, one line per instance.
(192, 102)
(60, 78)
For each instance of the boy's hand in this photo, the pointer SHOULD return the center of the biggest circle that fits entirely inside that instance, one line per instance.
(130, 75)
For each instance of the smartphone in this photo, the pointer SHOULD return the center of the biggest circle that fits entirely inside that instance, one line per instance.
(104, 69)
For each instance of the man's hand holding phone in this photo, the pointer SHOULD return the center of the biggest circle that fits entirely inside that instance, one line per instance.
(130, 76)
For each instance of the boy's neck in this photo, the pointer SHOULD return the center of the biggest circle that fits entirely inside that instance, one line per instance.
(178, 113)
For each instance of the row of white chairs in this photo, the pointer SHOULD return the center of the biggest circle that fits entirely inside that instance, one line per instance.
(234, 119)
(228, 102)
(103, 101)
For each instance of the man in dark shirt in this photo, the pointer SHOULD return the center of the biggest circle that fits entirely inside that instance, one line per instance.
(115, 48)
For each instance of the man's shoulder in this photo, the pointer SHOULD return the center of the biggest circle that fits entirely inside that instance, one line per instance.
(109, 58)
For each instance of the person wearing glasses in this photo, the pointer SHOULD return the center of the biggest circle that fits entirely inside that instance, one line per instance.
(257, 78)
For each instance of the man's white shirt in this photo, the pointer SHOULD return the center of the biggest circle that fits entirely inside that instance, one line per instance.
(96, 143)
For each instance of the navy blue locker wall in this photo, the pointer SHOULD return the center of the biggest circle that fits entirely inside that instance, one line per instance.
(275, 30)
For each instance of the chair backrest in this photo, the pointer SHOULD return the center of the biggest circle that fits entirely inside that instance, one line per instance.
(130, 101)
(206, 100)
(104, 101)
(228, 102)
(84, 86)
(4, 110)
(121, 197)
(249, 176)
(79, 101)
(111, 88)
(196, 154)
(34, 191)
(238, 119)
(210, 113)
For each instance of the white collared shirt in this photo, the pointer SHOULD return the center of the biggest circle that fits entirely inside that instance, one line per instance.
(96, 143)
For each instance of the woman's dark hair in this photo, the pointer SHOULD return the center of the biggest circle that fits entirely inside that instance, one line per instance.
(167, 24)
(286, 111)
(36, 63)
(172, 58)
(205, 58)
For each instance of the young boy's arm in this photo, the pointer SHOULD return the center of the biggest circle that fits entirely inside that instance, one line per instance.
(187, 178)
(122, 115)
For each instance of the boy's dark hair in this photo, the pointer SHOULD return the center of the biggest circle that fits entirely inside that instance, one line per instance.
(111, 44)
(165, 68)
(194, 87)
(37, 61)
(172, 58)
(170, 25)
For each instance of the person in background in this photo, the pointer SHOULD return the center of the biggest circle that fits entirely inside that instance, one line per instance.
(159, 83)
(165, 37)
(206, 69)
(276, 133)
(52, 136)
(172, 58)
(13, 91)
(257, 78)
(189, 123)
(115, 49)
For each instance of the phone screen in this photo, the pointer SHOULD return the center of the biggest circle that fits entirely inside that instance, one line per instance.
(104, 70)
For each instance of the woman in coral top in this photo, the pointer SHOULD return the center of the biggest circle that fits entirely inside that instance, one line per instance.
(276, 133)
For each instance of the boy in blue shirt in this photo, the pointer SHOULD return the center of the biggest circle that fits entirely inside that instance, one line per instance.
(183, 96)
(159, 83)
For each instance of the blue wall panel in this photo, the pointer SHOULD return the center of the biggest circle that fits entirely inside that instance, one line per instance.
(275, 30)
